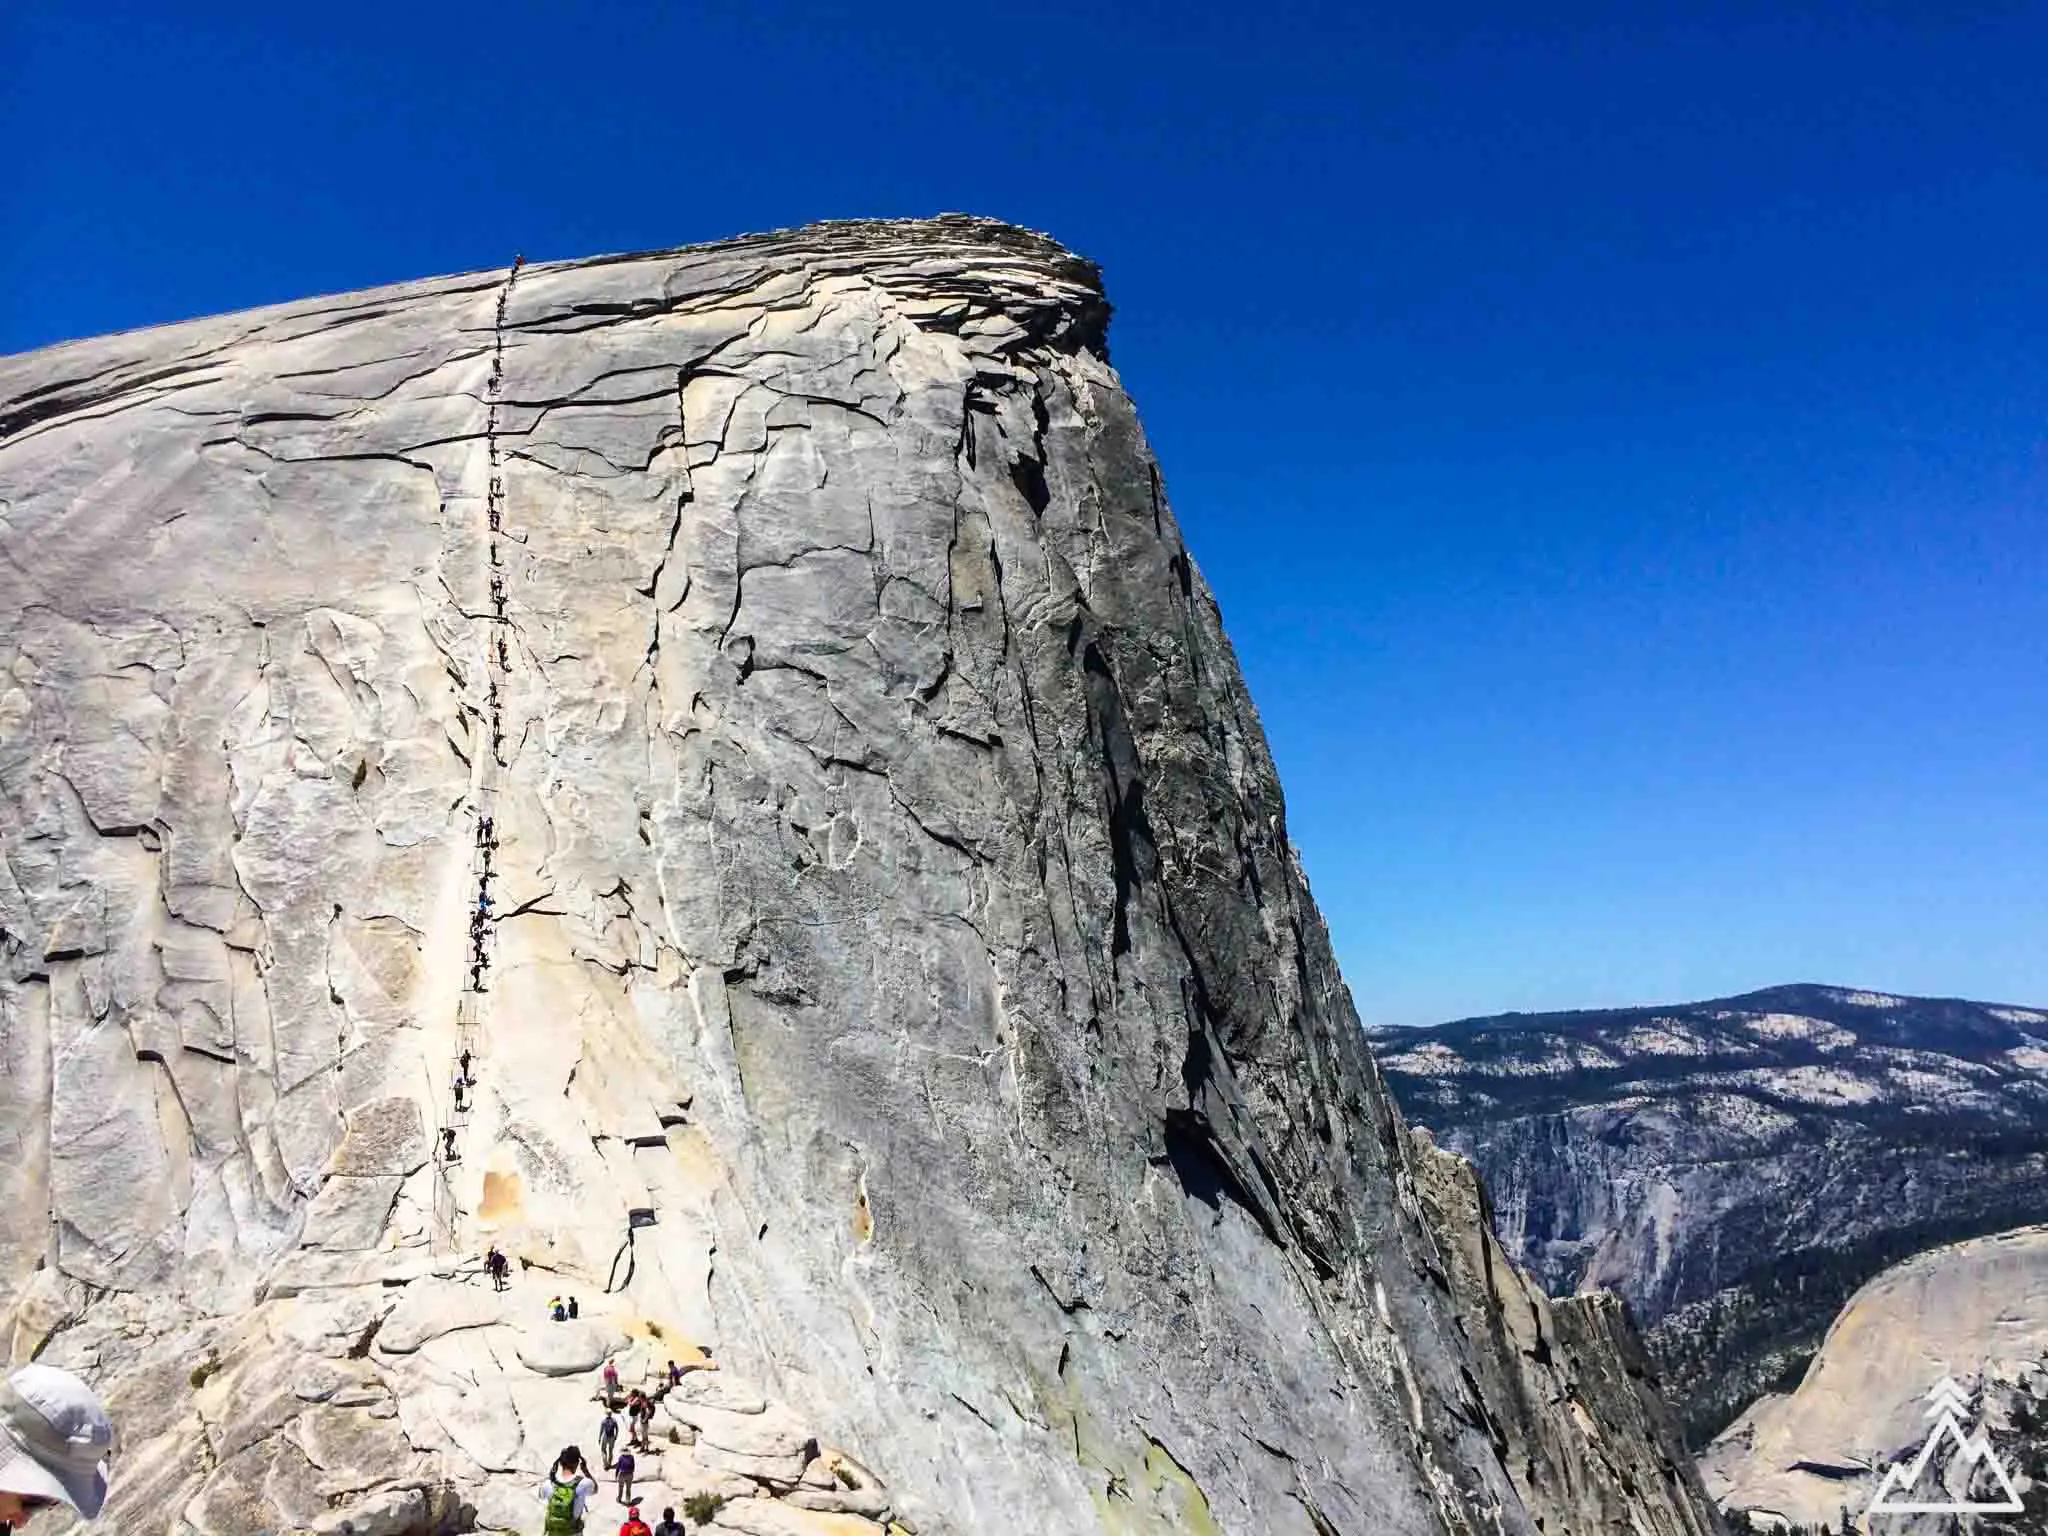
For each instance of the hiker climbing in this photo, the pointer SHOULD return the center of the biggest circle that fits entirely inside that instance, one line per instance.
(607, 1437)
(567, 1494)
(448, 1143)
(611, 1380)
(633, 1437)
(623, 1467)
(634, 1525)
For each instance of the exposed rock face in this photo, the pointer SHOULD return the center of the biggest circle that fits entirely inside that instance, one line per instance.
(898, 989)
(1737, 1168)
(1975, 1312)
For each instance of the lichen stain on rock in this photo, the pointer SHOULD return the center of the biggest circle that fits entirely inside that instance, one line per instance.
(503, 1201)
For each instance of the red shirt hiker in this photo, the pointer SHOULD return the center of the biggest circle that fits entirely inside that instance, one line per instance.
(634, 1525)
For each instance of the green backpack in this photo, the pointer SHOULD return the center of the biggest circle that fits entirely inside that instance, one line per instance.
(561, 1519)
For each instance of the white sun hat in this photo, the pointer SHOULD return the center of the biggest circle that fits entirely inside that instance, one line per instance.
(54, 1438)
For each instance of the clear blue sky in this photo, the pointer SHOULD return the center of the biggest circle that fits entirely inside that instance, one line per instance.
(1617, 443)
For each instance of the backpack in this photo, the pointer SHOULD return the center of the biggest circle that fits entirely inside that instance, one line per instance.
(561, 1517)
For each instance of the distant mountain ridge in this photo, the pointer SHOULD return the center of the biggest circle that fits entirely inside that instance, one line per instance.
(1737, 1167)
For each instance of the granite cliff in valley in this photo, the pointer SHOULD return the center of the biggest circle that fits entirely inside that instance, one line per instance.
(1738, 1168)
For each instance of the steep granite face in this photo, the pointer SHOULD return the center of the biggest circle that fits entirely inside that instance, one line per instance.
(756, 702)
(1737, 1168)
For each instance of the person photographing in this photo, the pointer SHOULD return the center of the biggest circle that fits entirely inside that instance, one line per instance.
(55, 1438)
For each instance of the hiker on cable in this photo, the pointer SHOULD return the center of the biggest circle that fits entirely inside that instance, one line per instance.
(567, 1494)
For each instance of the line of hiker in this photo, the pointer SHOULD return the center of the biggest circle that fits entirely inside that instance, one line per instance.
(495, 500)
(468, 1009)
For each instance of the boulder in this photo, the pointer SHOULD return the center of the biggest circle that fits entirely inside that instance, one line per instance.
(568, 1349)
(428, 1309)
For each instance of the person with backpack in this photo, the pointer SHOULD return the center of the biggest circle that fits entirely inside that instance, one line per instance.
(567, 1494)
(670, 1525)
(634, 1525)
(607, 1437)
(624, 1468)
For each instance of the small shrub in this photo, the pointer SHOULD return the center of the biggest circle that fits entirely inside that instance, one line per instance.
(703, 1507)
(203, 1372)
(846, 1478)
(654, 1330)
(675, 1435)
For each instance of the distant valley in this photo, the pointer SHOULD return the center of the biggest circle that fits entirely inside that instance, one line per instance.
(1737, 1168)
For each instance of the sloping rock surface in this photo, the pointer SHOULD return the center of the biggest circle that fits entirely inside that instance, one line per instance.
(1737, 1168)
(756, 702)
(1975, 1313)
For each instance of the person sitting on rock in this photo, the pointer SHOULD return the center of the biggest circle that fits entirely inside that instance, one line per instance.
(607, 1437)
(572, 1309)
(675, 1374)
(634, 1525)
(624, 1468)
(557, 1311)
